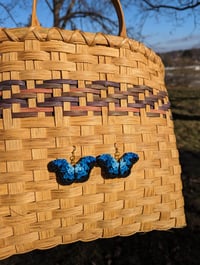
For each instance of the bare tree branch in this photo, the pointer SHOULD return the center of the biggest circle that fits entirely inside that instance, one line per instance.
(7, 9)
(68, 14)
(92, 14)
(178, 8)
(57, 6)
(100, 15)
(49, 5)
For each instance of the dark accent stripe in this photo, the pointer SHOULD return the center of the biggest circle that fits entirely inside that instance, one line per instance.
(78, 101)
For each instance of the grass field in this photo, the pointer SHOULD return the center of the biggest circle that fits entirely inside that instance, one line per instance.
(185, 105)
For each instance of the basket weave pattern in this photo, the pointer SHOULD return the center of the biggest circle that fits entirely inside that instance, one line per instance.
(60, 89)
(95, 96)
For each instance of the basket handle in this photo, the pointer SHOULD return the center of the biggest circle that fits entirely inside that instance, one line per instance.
(117, 6)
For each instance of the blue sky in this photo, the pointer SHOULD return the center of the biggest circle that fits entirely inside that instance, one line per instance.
(160, 33)
(167, 36)
(167, 32)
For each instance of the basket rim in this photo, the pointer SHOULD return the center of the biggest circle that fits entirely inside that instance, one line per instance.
(77, 37)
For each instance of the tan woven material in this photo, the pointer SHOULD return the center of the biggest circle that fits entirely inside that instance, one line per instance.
(60, 89)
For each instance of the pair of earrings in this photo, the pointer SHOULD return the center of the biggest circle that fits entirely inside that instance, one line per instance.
(111, 167)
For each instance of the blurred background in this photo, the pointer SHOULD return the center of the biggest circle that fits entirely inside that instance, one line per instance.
(162, 25)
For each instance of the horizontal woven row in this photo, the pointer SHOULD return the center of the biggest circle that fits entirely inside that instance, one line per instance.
(47, 35)
(36, 212)
(60, 89)
(38, 54)
(76, 101)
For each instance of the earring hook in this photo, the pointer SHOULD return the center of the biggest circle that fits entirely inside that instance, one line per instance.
(72, 158)
(117, 154)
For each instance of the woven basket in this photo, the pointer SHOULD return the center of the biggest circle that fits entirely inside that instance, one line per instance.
(63, 90)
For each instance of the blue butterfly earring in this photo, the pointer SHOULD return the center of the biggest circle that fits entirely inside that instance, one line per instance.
(116, 167)
(67, 173)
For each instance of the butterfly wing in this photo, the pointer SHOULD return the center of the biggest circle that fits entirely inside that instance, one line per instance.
(109, 166)
(64, 171)
(126, 162)
(83, 168)
(116, 169)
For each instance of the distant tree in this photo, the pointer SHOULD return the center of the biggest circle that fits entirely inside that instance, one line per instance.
(71, 14)
(187, 54)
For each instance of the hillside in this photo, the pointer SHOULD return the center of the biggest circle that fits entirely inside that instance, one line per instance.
(183, 84)
(182, 68)
(181, 58)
